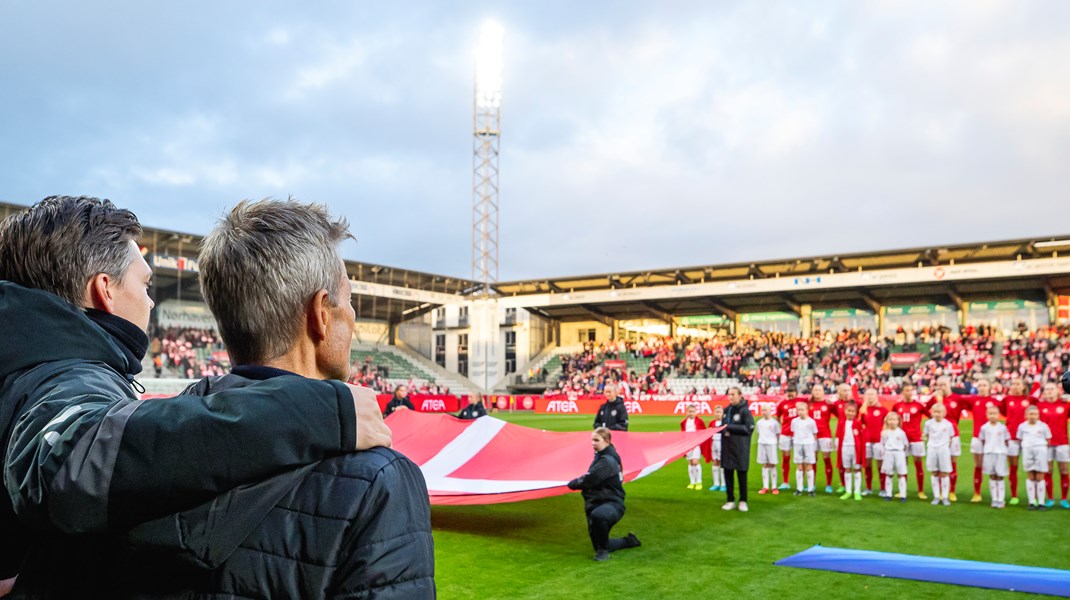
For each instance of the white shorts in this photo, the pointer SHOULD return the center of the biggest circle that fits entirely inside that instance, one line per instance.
(956, 446)
(916, 449)
(1059, 454)
(785, 443)
(825, 445)
(767, 454)
(977, 446)
(847, 457)
(805, 454)
(938, 460)
(694, 454)
(1035, 459)
(715, 450)
(894, 463)
(874, 451)
(1014, 448)
(995, 464)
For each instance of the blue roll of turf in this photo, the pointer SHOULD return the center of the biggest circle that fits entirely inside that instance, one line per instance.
(996, 576)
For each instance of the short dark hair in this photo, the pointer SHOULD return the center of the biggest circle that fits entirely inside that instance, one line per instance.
(60, 243)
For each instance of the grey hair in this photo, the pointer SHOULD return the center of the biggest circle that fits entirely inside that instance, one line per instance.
(260, 267)
(60, 243)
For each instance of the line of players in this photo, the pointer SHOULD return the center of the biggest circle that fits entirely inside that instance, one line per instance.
(871, 437)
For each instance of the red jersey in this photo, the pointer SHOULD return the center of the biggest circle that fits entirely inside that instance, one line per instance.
(911, 414)
(1055, 415)
(859, 435)
(873, 423)
(705, 447)
(954, 404)
(1014, 407)
(980, 411)
(822, 413)
(785, 411)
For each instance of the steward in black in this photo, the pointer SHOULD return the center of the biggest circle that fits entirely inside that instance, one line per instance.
(82, 455)
(603, 501)
(612, 415)
(397, 402)
(735, 445)
(472, 411)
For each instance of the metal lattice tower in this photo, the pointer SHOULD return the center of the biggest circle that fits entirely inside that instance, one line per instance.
(485, 150)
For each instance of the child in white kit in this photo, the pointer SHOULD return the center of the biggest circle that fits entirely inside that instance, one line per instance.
(768, 433)
(804, 442)
(994, 438)
(939, 433)
(716, 471)
(1034, 435)
(894, 441)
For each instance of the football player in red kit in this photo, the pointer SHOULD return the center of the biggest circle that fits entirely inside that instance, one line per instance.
(980, 405)
(785, 412)
(872, 424)
(822, 409)
(1014, 405)
(911, 413)
(1055, 412)
(955, 405)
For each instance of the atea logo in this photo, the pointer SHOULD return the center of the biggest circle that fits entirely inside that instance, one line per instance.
(433, 405)
(562, 406)
(633, 407)
(703, 408)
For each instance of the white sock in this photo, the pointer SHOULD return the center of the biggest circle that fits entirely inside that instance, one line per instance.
(766, 480)
(1001, 491)
(799, 479)
(992, 489)
(696, 474)
(713, 476)
(945, 486)
(902, 486)
(935, 482)
(1042, 490)
(1031, 491)
(810, 481)
(888, 486)
(858, 482)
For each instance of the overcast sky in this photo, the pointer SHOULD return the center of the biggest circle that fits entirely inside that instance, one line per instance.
(635, 134)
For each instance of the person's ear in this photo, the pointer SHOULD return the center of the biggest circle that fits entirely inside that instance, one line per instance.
(319, 315)
(98, 293)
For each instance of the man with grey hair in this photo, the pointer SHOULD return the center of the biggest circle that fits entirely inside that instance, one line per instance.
(81, 454)
(355, 525)
(613, 414)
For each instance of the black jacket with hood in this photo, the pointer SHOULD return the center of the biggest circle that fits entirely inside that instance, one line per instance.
(603, 483)
(82, 455)
(612, 415)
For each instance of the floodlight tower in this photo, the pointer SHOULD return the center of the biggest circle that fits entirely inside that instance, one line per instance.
(486, 135)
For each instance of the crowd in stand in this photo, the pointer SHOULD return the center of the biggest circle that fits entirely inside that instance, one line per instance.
(376, 377)
(188, 353)
(767, 361)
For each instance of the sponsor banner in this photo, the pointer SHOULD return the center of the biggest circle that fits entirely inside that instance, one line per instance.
(768, 317)
(615, 364)
(839, 313)
(175, 263)
(666, 404)
(429, 402)
(193, 315)
(704, 320)
(1062, 313)
(919, 309)
(904, 358)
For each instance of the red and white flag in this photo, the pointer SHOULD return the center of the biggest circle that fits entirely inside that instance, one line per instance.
(489, 461)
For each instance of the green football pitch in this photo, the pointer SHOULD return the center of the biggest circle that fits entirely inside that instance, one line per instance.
(693, 549)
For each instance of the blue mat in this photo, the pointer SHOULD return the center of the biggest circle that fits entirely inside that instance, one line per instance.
(996, 576)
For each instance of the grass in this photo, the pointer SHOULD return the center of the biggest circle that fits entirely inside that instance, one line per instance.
(693, 549)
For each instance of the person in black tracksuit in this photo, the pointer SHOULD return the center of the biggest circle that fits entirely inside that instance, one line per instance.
(612, 415)
(400, 400)
(474, 410)
(603, 496)
(735, 447)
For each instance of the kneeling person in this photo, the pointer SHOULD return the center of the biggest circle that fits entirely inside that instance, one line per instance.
(603, 496)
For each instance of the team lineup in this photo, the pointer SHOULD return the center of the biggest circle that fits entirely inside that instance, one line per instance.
(1012, 431)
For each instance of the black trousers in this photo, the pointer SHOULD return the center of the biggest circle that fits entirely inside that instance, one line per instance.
(728, 477)
(599, 522)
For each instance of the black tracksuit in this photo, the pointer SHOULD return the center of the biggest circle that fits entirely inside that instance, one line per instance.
(735, 447)
(396, 403)
(603, 498)
(612, 415)
(472, 411)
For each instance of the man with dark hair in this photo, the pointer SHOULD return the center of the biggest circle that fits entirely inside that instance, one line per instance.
(82, 455)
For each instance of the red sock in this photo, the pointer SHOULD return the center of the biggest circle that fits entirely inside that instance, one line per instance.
(828, 470)
(919, 470)
(842, 481)
(869, 477)
(1049, 479)
(1064, 481)
(884, 481)
(954, 477)
(978, 477)
(1013, 475)
(786, 468)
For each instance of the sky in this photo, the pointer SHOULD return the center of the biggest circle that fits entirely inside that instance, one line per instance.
(635, 135)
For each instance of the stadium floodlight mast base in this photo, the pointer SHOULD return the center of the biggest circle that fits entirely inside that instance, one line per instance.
(485, 149)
